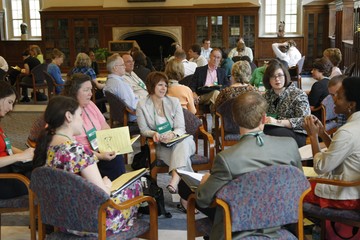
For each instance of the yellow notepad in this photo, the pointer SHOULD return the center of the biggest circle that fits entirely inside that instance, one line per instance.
(115, 139)
(126, 179)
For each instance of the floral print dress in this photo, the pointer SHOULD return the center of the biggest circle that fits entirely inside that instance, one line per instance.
(74, 157)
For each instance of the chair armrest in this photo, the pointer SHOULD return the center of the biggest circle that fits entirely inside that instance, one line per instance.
(17, 176)
(190, 216)
(152, 149)
(208, 144)
(335, 182)
(133, 112)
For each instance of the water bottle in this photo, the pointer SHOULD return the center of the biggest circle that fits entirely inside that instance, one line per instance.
(316, 233)
(261, 87)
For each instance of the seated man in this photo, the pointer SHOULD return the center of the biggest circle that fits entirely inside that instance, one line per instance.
(189, 67)
(138, 86)
(195, 55)
(255, 150)
(209, 75)
(116, 85)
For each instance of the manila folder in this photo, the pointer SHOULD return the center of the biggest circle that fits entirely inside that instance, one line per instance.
(125, 180)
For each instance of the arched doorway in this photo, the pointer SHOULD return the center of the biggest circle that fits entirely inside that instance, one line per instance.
(155, 46)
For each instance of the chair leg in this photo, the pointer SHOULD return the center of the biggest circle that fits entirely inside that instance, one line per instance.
(34, 93)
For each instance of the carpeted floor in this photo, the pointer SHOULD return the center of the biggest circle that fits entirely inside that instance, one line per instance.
(17, 126)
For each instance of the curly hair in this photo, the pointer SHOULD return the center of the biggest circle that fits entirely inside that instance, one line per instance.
(82, 60)
(334, 55)
(241, 71)
(73, 84)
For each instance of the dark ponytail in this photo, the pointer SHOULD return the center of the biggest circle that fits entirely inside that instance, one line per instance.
(54, 117)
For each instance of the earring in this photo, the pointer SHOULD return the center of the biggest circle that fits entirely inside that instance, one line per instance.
(349, 109)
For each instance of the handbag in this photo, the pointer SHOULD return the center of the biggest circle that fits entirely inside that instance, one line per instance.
(141, 159)
(340, 231)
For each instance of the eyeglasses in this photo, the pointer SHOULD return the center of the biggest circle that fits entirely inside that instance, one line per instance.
(279, 76)
(121, 65)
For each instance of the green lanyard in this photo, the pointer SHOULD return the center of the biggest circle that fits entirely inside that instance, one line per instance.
(91, 134)
(139, 82)
(7, 143)
(164, 127)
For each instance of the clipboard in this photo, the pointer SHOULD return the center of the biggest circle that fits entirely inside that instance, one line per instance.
(174, 141)
(125, 180)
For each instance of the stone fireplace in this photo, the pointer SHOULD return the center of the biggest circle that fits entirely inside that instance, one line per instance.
(154, 41)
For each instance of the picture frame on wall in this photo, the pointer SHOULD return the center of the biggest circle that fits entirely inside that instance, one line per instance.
(121, 46)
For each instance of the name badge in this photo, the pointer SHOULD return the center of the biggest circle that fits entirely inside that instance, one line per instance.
(8, 146)
(163, 128)
(142, 85)
(91, 135)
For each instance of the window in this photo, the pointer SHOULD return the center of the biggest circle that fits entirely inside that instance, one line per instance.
(23, 11)
(274, 11)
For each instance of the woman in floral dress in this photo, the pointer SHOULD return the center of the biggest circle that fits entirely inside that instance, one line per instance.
(57, 148)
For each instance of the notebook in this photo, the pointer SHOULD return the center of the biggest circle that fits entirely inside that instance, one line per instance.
(125, 180)
(175, 140)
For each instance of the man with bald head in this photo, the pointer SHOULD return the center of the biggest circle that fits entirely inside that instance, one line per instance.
(137, 85)
(116, 84)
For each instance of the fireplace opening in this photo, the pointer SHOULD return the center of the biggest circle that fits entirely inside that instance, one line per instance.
(155, 46)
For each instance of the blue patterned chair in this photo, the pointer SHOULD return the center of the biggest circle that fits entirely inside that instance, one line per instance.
(263, 199)
(68, 201)
(199, 162)
(19, 204)
(328, 115)
(227, 131)
(348, 217)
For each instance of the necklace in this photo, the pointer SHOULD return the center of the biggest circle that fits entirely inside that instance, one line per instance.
(60, 134)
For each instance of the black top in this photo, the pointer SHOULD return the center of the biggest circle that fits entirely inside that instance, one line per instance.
(32, 62)
(319, 91)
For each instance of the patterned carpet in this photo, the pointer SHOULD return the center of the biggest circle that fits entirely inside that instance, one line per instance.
(17, 125)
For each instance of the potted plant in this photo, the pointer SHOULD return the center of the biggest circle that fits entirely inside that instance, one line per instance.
(101, 54)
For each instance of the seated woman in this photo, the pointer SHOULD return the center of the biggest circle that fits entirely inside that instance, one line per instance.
(9, 155)
(175, 72)
(319, 90)
(335, 57)
(240, 77)
(161, 118)
(54, 68)
(341, 161)
(35, 51)
(83, 65)
(288, 105)
(57, 148)
(79, 87)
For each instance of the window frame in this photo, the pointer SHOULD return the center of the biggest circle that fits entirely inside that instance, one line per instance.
(280, 16)
(25, 18)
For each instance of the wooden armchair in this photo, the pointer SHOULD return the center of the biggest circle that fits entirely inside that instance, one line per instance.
(348, 217)
(280, 190)
(199, 162)
(51, 84)
(296, 77)
(328, 116)
(38, 80)
(19, 204)
(84, 211)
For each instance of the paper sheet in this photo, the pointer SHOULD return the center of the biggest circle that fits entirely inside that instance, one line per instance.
(310, 172)
(197, 176)
(114, 139)
(306, 151)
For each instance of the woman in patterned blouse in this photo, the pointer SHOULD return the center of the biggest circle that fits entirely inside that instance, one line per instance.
(240, 78)
(57, 148)
(288, 105)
